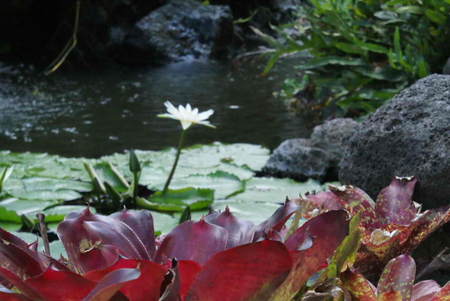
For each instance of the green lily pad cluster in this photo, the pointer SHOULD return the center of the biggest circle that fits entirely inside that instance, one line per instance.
(208, 176)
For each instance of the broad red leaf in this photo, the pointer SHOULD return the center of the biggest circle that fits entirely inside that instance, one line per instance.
(398, 275)
(188, 271)
(277, 220)
(239, 230)
(190, 240)
(394, 203)
(312, 244)
(170, 287)
(17, 281)
(97, 258)
(358, 286)
(111, 284)
(8, 237)
(120, 263)
(443, 294)
(89, 231)
(8, 295)
(54, 285)
(147, 286)
(247, 272)
(18, 261)
(141, 222)
(425, 290)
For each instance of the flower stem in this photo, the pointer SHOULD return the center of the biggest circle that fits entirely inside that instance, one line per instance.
(180, 145)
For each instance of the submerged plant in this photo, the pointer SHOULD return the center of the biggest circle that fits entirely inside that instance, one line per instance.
(187, 117)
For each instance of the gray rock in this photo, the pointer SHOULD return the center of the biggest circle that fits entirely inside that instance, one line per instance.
(317, 157)
(410, 135)
(179, 30)
(297, 159)
(446, 69)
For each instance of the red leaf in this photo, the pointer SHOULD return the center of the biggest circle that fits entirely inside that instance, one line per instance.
(188, 271)
(390, 296)
(87, 231)
(398, 275)
(120, 263)
(247, 272)
(425, 290)
(312, 244)
(8, 295)
(54, 285)
(97, 258)
(111, 284)
(170, 287)
(359, 286)
(190, 240)
(394, 203)
(444, 294)
(20, 285)
(141, 222)
(239, 230)
(277, 220)
(147, 286)
(18, 261)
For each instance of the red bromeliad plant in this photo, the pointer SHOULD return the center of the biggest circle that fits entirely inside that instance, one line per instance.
(220, 257)
(396, 284)
(391, 226)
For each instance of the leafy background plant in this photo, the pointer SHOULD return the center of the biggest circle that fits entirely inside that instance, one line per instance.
(363, 51)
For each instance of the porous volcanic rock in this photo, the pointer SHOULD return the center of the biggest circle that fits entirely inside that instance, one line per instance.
(410, 135)
(317, 157)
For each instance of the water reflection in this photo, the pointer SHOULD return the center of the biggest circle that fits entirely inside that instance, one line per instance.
(92, 114)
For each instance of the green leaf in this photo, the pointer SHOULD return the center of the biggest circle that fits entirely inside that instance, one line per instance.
(331, 60)
(411, 9)
(274, 190)
(186, 215)
(115, 197)
(106, 172)
(57, 213)
(135, 166)
(345, 255)
(9, 216)
(381, 73)
(26, 207)
(351, 48)
(224, 184)
(372, 47)
(423, 69)
(9, 226)
(57, 249)
(436, 16)
(4, 175)
(177, 200)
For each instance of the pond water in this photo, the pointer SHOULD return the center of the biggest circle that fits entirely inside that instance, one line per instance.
(91, 114)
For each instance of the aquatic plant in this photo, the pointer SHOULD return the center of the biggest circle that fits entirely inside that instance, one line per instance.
(218, 257)
(392, 226)
(187, 117)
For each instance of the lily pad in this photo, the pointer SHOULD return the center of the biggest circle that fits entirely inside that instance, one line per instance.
(177, 200)
(21, 206)
(273, 190)
(66, 195)
(8, 226)
(9, 216)
(224, 184)
(57, 249)
(240, 154)
(108, 173)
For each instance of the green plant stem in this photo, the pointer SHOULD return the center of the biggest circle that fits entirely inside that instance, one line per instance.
(180, 145)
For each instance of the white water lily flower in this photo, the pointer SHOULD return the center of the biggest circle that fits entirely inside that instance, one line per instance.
(187, 116)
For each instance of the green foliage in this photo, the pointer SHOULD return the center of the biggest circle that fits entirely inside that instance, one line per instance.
(364, 51)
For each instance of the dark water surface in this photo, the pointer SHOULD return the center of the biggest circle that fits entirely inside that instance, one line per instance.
(92, 114)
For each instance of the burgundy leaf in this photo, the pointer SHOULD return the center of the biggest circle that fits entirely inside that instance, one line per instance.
(147, 286)
(20, 285)
(248, 272)
(120, 263)
(190, 240)
(325, 199)
(425, 290)
(54, 285)
(98, 257)
(111, 284)
(312, 244)
(18, 261)
(277, 220)
(273, 235)
(10, 238)
(141, 222)
(88, 231)
(170, 287)
(398, 275)
(394, 203)
(239, 230)
(188, 271)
